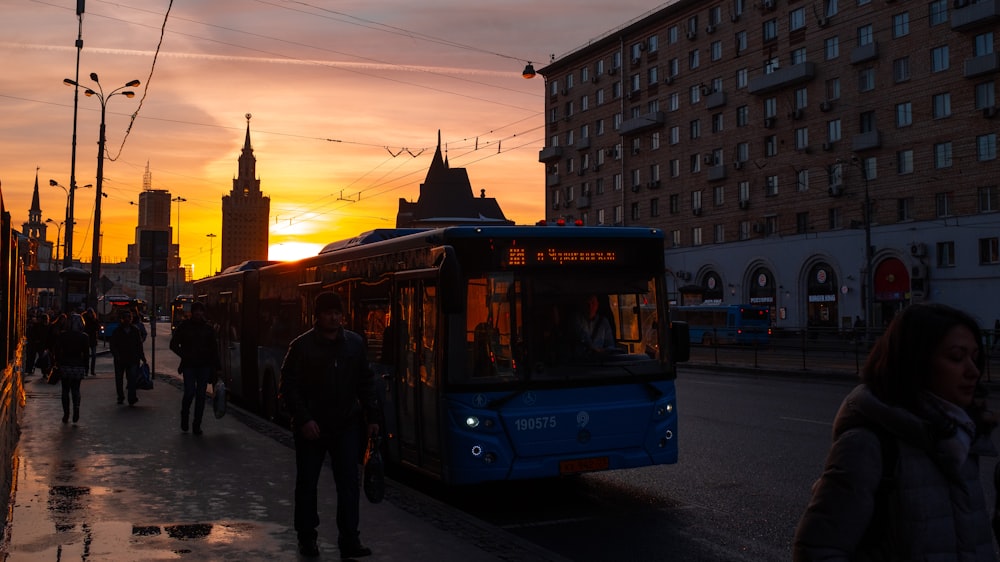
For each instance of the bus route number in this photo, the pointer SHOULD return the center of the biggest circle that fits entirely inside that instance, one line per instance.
(536, 423)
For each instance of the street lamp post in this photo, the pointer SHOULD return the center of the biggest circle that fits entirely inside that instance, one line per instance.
(59, 225)
(178, 200)
(68, 248)
(869, 251)
(211, 241)
(95, 275)
(68, 256)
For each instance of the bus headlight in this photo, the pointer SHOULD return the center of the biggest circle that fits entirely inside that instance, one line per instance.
(472, 422)
(665, 409)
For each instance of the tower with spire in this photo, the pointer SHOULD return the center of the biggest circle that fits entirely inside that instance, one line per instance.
(245, 213)
(446, 199)
(35, 230)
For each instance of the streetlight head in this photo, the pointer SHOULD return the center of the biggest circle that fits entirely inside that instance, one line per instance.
(528, 72)
(88, 92)
(132, 84)
(69, 82)
(93, 76)
(53, 183)
(128, 94)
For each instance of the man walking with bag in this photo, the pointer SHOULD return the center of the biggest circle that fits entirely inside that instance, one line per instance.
(329, 391)
(194, 341)
(126, 348)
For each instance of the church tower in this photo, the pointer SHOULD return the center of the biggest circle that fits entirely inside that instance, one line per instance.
(245, 213)
(35, 227)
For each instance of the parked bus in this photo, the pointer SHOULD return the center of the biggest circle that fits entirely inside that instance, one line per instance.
(109, 308)
(180, 310)
(481, 377)
(726, 324)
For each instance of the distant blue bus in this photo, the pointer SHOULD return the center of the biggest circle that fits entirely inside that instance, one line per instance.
(728, 324)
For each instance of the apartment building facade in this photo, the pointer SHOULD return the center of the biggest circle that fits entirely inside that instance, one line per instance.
(756, 134)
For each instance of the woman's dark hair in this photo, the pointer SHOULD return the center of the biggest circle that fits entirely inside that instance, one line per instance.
(898, 368)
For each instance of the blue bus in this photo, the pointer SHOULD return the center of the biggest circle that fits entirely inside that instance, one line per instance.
(710, 324)
(470, 330)
(109, 309)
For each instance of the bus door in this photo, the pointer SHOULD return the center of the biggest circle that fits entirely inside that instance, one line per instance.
(417, 381)
(229, 343)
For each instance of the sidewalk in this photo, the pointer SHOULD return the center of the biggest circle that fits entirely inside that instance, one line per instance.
(126, 484)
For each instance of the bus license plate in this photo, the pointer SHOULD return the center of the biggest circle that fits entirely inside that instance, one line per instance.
(583, 465)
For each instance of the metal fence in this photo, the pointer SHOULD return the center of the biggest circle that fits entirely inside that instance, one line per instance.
(817, 350)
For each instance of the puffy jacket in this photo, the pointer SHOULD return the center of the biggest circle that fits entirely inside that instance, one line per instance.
(932, 505)
(194, 342)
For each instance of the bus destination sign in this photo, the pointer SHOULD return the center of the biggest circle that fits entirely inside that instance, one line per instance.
(520, 257)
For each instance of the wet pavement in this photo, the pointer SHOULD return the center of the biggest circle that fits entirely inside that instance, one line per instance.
(125, 484)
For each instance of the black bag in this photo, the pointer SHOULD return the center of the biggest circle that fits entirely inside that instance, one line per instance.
(54, 376)
(143, 377)
(374, 471)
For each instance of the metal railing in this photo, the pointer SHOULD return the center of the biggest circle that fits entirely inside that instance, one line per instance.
(813, 349)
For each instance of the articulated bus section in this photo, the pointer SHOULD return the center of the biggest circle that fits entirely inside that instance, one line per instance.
(475, 335)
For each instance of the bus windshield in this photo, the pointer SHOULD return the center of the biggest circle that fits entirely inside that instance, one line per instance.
(550, 327)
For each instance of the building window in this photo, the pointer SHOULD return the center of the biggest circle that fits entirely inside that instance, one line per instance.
(696, 200)
(770, 225)
(802, 222)
(942, 204)
(675, 168)
(901, 69)
(693, 59)
(771, 145)
(744, 230)
(983, 44)
(654, 142)
(716, 50)
(866, 80)
(600, 127)
(904, 114)
(985, 95)
(742, 78)
(600, 217)
(939, 59)
(635, 211)
(941, 104)
(696, 236)
(833, 130)
(989, 251)
(719, 195)
(802, 179)
(797, 19)
(772, 186)
(673, 35)
(938, 12)
(673, 67)
(904, 206)
(832, 88)
(866, 122)
(865, 35)
(654, 207)
(904, 162)
(742, 116)
(675, 238)
(599, 96)
(832, 47)
(695, 163)
(675, 204)
(674, 101)
(717, 123)
(584, 103)
(833, 218)
(742, 152)
(744, 191)
(616, 181)
(831, 8)
(801, 138)
(942, 155)
(653, 76)
(771, 107)
(653, 43)
(619, 216)
(741, 41)
(695, 129)
(616, 90)
(801, 98)
(986, 147)
(988, 201)
(720, 233)
(770, 30)
(946, 254)
(901, 25)
(635, 82)
(599, 186)
(799, 56)
(695, 94)
(675, 134)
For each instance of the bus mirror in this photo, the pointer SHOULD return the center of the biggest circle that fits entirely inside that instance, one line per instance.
(452, 292)
(680, 341)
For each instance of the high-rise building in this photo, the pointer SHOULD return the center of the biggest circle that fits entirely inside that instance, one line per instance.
(830, 160)
(154, 214)
(245, 213)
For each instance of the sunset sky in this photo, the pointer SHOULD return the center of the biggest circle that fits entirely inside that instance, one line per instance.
(347, 99)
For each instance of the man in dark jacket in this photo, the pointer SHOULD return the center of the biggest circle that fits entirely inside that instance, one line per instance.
(329, 391)
(126, 348)
(194, 341)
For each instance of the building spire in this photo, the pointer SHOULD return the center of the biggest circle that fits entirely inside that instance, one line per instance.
(35, 213)
(147, 178)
